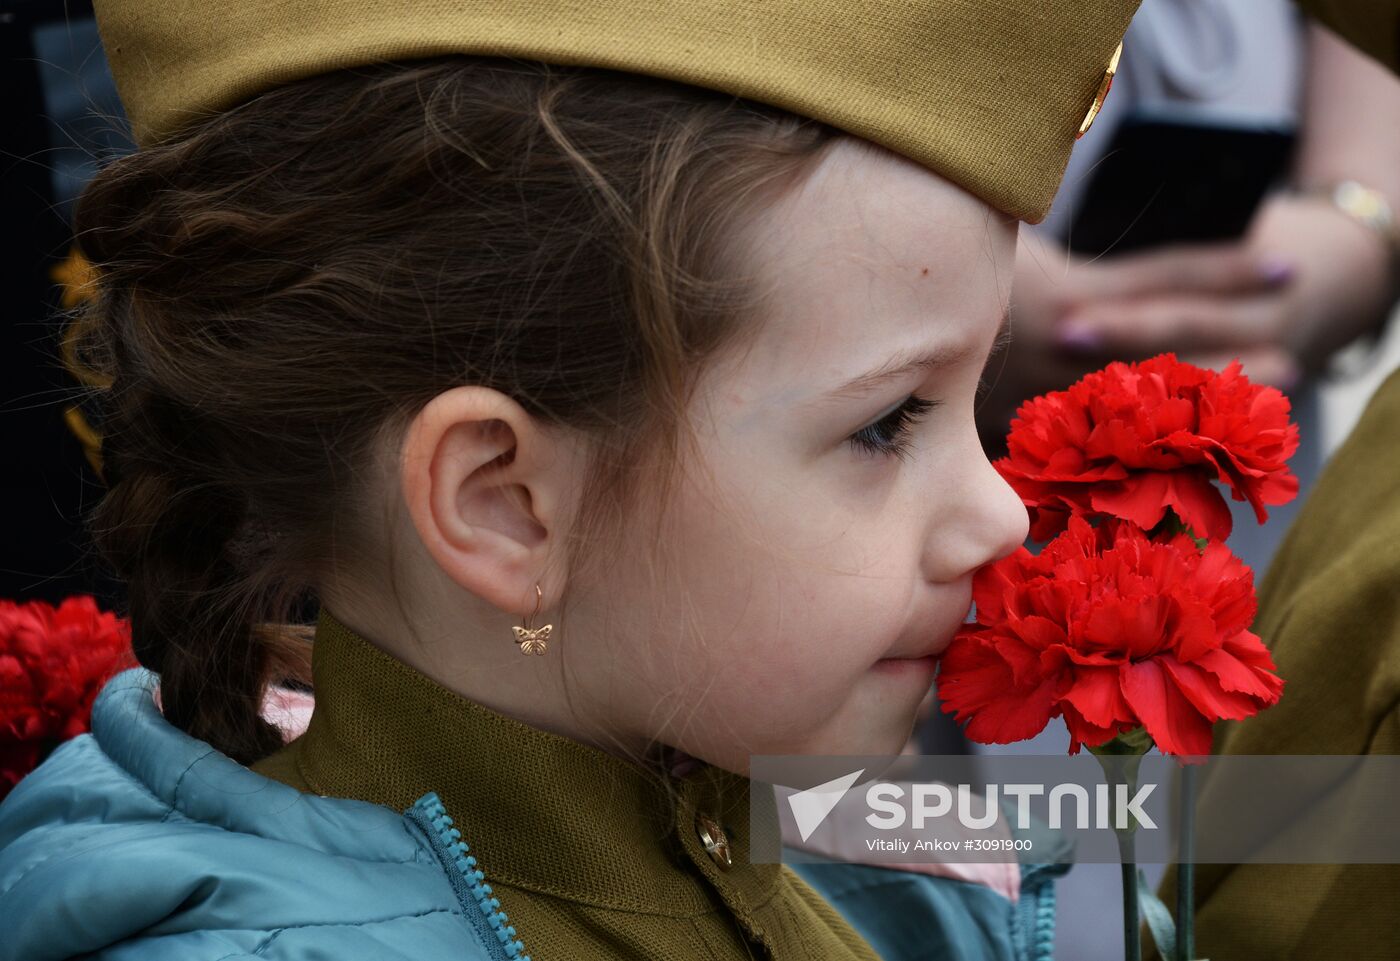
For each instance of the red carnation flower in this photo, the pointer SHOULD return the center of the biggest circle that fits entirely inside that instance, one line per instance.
(1114, 632)
(1134, 439)
(53, 661)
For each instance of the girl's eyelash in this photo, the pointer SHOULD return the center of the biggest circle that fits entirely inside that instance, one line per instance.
(890, 434)
(999, 346)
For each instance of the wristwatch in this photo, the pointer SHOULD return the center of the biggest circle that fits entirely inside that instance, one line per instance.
(1366, 206)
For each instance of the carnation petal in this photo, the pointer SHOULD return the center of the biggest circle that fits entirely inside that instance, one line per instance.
(1142, 499)
(1196, 631)
(1098, 697)
(1046, 522)
(1199, 505)
(1040, 632)
(1236, 668)
(1131, 625)
(975, 681)
(1014, 719)
(1230, 584)
(1083, 732)
(1203, 690)
(1172, 721)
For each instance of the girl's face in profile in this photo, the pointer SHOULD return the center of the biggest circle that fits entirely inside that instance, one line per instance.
(825, 547)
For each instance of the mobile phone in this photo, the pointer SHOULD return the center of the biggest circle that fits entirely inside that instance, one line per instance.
(1165, 181)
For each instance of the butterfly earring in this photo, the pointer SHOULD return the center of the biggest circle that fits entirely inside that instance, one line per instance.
(533, 641)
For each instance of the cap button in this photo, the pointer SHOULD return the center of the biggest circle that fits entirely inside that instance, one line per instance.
(714, 839)
(1099, 97)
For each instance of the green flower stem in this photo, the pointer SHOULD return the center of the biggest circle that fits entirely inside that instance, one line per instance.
(1186, 869)
(1132, 945)
(1121, 757)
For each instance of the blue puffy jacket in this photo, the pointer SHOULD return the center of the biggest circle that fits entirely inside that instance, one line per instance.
(137, 842)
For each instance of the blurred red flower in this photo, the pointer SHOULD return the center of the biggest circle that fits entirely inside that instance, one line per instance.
(53, 661)
(1134, 439)
(1114, 631)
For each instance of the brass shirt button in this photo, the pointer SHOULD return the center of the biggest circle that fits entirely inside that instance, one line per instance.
(714, 839)
(1099, 97)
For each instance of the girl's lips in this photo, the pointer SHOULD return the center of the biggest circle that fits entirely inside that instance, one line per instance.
(928, 663)
(937, 643)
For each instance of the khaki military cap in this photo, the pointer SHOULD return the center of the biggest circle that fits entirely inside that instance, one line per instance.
(990, 94)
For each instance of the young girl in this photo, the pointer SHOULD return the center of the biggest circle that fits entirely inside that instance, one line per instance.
(619, 428)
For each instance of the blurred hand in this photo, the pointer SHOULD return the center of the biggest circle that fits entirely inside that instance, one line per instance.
(1306, 277)
(1305, 281)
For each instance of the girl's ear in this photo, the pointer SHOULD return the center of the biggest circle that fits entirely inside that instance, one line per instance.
(484, 486)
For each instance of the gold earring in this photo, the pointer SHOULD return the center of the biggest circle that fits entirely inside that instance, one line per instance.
(533, 641)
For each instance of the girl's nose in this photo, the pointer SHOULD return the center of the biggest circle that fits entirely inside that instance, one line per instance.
(986, 523)
(1010, 521)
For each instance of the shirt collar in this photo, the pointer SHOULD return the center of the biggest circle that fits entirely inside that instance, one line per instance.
(540, 811)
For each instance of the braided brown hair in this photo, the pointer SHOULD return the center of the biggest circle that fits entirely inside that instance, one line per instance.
(284, 282)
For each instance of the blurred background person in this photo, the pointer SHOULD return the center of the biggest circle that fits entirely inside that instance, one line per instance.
(1198, 214)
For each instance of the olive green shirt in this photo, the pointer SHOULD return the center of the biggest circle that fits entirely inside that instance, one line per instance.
(1329, 611)
(584, 849)
(1372, 25)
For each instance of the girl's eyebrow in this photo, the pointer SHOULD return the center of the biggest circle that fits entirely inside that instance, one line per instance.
(911, 359)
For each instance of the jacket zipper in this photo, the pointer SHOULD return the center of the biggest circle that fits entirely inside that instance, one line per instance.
(481, 908)
(1035, 911)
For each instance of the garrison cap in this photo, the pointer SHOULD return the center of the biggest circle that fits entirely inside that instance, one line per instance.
(990, 94)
